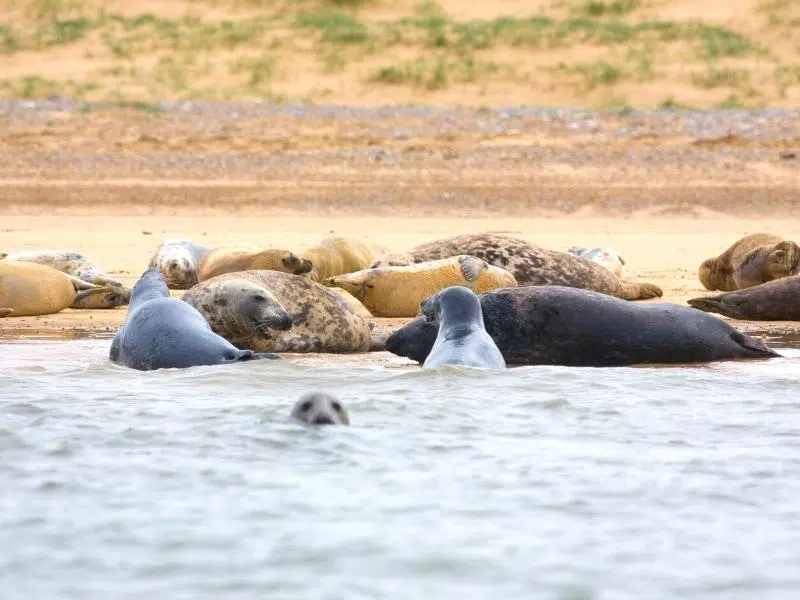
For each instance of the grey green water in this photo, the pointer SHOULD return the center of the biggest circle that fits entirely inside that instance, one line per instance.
(537, 482)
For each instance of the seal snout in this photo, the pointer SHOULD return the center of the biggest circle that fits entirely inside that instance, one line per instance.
(318, 408)
(297, 265)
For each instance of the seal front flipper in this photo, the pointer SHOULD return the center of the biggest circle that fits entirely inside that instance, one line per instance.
(6, 312)
(471, 267)
(250, 355)
(639, 291)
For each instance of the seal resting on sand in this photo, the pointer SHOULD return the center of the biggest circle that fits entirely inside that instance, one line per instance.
(30, 289)
(461, 338)
(323, 321)
(177, 259)
(529, 264)
(754, 259)
(337, 255)
(608, 258)
(556, 325)
(777, 300)
(398, 291)
(160, 332)
(244, 257)
(319, 408)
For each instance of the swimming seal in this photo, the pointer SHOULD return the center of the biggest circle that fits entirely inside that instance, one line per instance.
(777, 300)
(752, 260)
(608, 258)
(244, 257)
(337, 255)
(556, 325)
(398, 291)
(322, 320)
(160, 332)
(319, 408)
(177, 259)
(529, 264)
(461, 338)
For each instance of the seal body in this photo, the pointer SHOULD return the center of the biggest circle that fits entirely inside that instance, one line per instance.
(777, 300)
(529, 264)
(160, 332)
(177, 259)
(461, 338)
(608, 258)
(319, 408)
(556, 325)
(231, 259)
(337, 255)
(30, 289)
(398, 291)
(322, 320)
(754, 259)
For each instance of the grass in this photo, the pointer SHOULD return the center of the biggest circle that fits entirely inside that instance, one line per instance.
(434, 74)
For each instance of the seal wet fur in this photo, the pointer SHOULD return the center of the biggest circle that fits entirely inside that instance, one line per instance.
(556, 325)
(160, 332)
(461, 338)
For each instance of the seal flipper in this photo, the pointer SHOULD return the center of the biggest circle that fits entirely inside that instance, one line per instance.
(6, 312)
(471, 267)
(250, 355)
(755, 345)
(639, 291)
(3, 255)
(356, 284)
(712, 304)
(80, 284)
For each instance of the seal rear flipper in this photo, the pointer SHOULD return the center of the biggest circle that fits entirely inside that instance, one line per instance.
(639, 291)
(80, 284)
(712, 304)
(250, 355)
(6, 312)
(754, 345)
(471, 267)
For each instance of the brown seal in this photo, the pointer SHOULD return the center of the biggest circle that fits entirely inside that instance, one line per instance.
(754, 259)
(338, 255)
(322, 320)
(772, 301)
(529, 264)
(244, 257)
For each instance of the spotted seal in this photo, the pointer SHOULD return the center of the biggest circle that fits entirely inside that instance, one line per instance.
(161, 332)
(461, 337)
(337, 255)
(177, 260)
(608, 258)
(398, 291)
(319, 408)
(529, 264)
(752, 260)
(323, 321)
(244, 257)
(776, 300)
(557, 325)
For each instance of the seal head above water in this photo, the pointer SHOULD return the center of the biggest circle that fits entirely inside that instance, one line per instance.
(319, 408)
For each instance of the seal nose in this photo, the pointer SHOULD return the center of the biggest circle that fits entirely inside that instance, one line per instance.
(283, 323)
(322, 419)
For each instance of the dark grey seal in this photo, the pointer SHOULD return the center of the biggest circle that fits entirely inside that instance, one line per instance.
(556, 325)
(777, 300)
(160, 332)
(461, 338)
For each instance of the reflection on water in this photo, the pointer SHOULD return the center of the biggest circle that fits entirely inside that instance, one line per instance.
(543, 482)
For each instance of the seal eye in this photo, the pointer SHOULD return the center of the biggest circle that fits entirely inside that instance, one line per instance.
(259, 298)
(336, 406)
(306, 406)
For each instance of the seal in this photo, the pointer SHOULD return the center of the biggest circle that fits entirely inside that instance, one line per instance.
(338, 255)
(529, 264)
(398, 291)
(177, 260)
(243, 257)
(461, 338)
(30, 289)
(80, 266)
(754, 259)
(323, 321)
(319, 408)
(556, 325)
(160, 332)
(609, 258)
(772, 301)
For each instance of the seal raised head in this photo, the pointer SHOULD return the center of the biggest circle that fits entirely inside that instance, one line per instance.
(461, 338)
(337, 255)
(556, 325)
(608, 258)
(754, 259)
(532, 265)
(177, 259)
(30, 289)
(231, 259)
(398, 291)
(160, 332)
(772, 301)
(322, 320)
(319, 408)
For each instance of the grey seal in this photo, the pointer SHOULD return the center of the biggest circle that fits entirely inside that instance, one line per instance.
(772, 301)
(319, 408)
(177, 259)
(160, 332)
(461, 338)
(556, 325)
